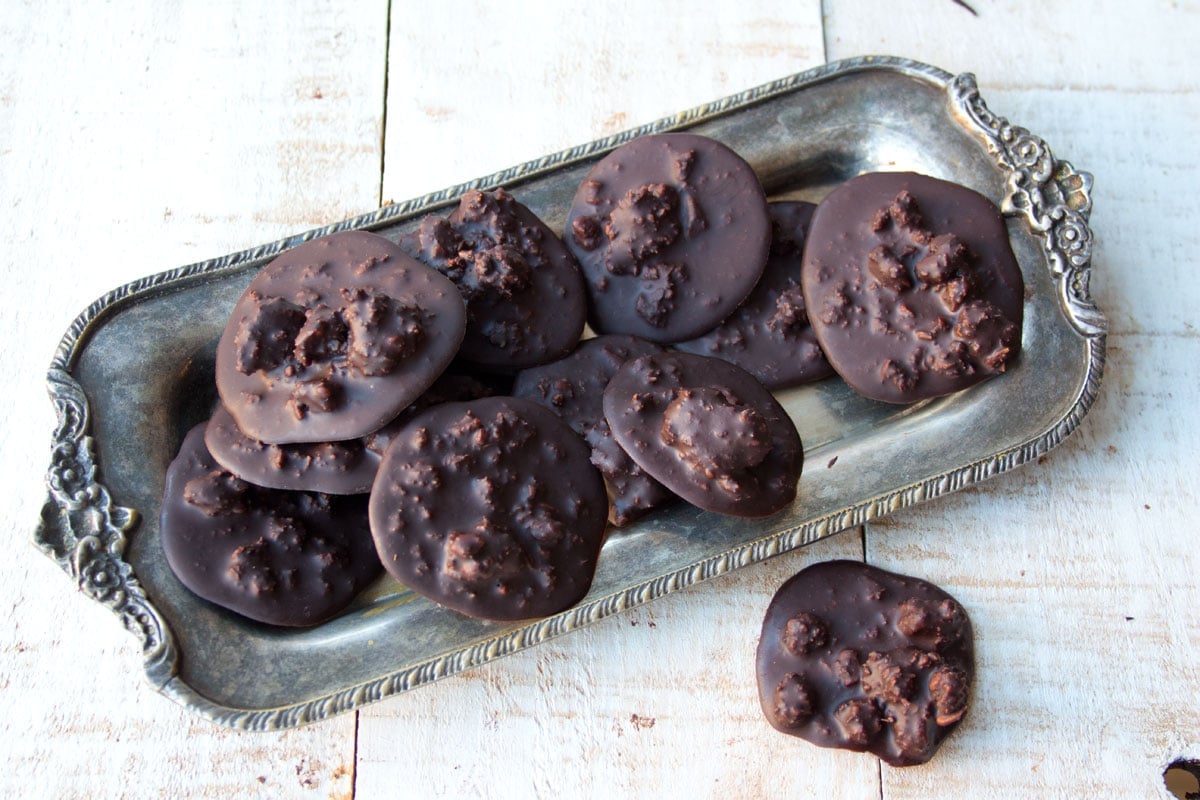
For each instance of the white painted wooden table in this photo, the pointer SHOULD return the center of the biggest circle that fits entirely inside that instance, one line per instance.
(138, 136)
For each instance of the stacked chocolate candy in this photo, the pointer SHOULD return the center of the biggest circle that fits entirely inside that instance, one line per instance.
(439, 387)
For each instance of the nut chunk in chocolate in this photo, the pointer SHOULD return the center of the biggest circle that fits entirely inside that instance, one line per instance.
(334, 338)
(573, 388)
(280, 557)
(671, 232)
(911, 286)
(855, 657)
(526, 303)
(490, 507)
(707, 430)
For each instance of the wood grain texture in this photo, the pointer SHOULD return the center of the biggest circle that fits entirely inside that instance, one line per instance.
(1080, 570)
(1107, 45)
(137, 137)
(474, 87)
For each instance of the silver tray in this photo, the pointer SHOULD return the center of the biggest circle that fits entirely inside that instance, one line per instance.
(134, 371)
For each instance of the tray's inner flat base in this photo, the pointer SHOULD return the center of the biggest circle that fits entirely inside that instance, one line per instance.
(148, 373)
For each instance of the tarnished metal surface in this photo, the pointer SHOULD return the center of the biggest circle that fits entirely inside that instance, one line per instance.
(134, 372)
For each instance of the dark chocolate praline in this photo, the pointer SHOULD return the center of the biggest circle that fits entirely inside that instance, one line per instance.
(671, 232)
(525, 299)
(769, 335)
(573, 388)
(491, 508)
(852, 656)
(708, 431)
(912, 287)
(346, 467)
(334, 338)
(285, 558)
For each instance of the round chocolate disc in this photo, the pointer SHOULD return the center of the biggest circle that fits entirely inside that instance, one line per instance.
(526, 303)
(573, 388)
(491, 508)
(855, 657)
(708, 431)
(912, 287)
(346, 467)
(284, 558)
(334, 338)
(769, 335)
(671, 232)
(452, 387)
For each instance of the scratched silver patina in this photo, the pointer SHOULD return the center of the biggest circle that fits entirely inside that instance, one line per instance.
(134, 372)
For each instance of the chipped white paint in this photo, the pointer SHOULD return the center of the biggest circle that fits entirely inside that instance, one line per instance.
(136, 140)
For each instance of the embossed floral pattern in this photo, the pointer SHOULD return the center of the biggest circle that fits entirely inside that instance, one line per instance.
(1050, 194)
(69, 478)
(83, 530)
(101, 574)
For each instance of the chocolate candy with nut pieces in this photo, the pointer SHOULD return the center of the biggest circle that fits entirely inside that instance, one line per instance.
(708, 431)
(671, 232)
(346, 467)
(855, 657)
(526, 302)
(573, 388)
(912, 287)
(285, 558)
(769, 335)
(334, 338)
(491, 508)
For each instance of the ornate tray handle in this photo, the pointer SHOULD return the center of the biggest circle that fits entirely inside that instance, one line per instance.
(1051, 194)
(84, 531)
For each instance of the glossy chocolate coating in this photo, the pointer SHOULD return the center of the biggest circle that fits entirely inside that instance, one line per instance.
(346, 467)
(491, 508)
(525, 298)
(284, 558)
(855, 657)
(334, 338)
(331, 467)
(912, 286)
(707, 430)
(671, 232)
(769, 335)
(452, 387)
(573, 388)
